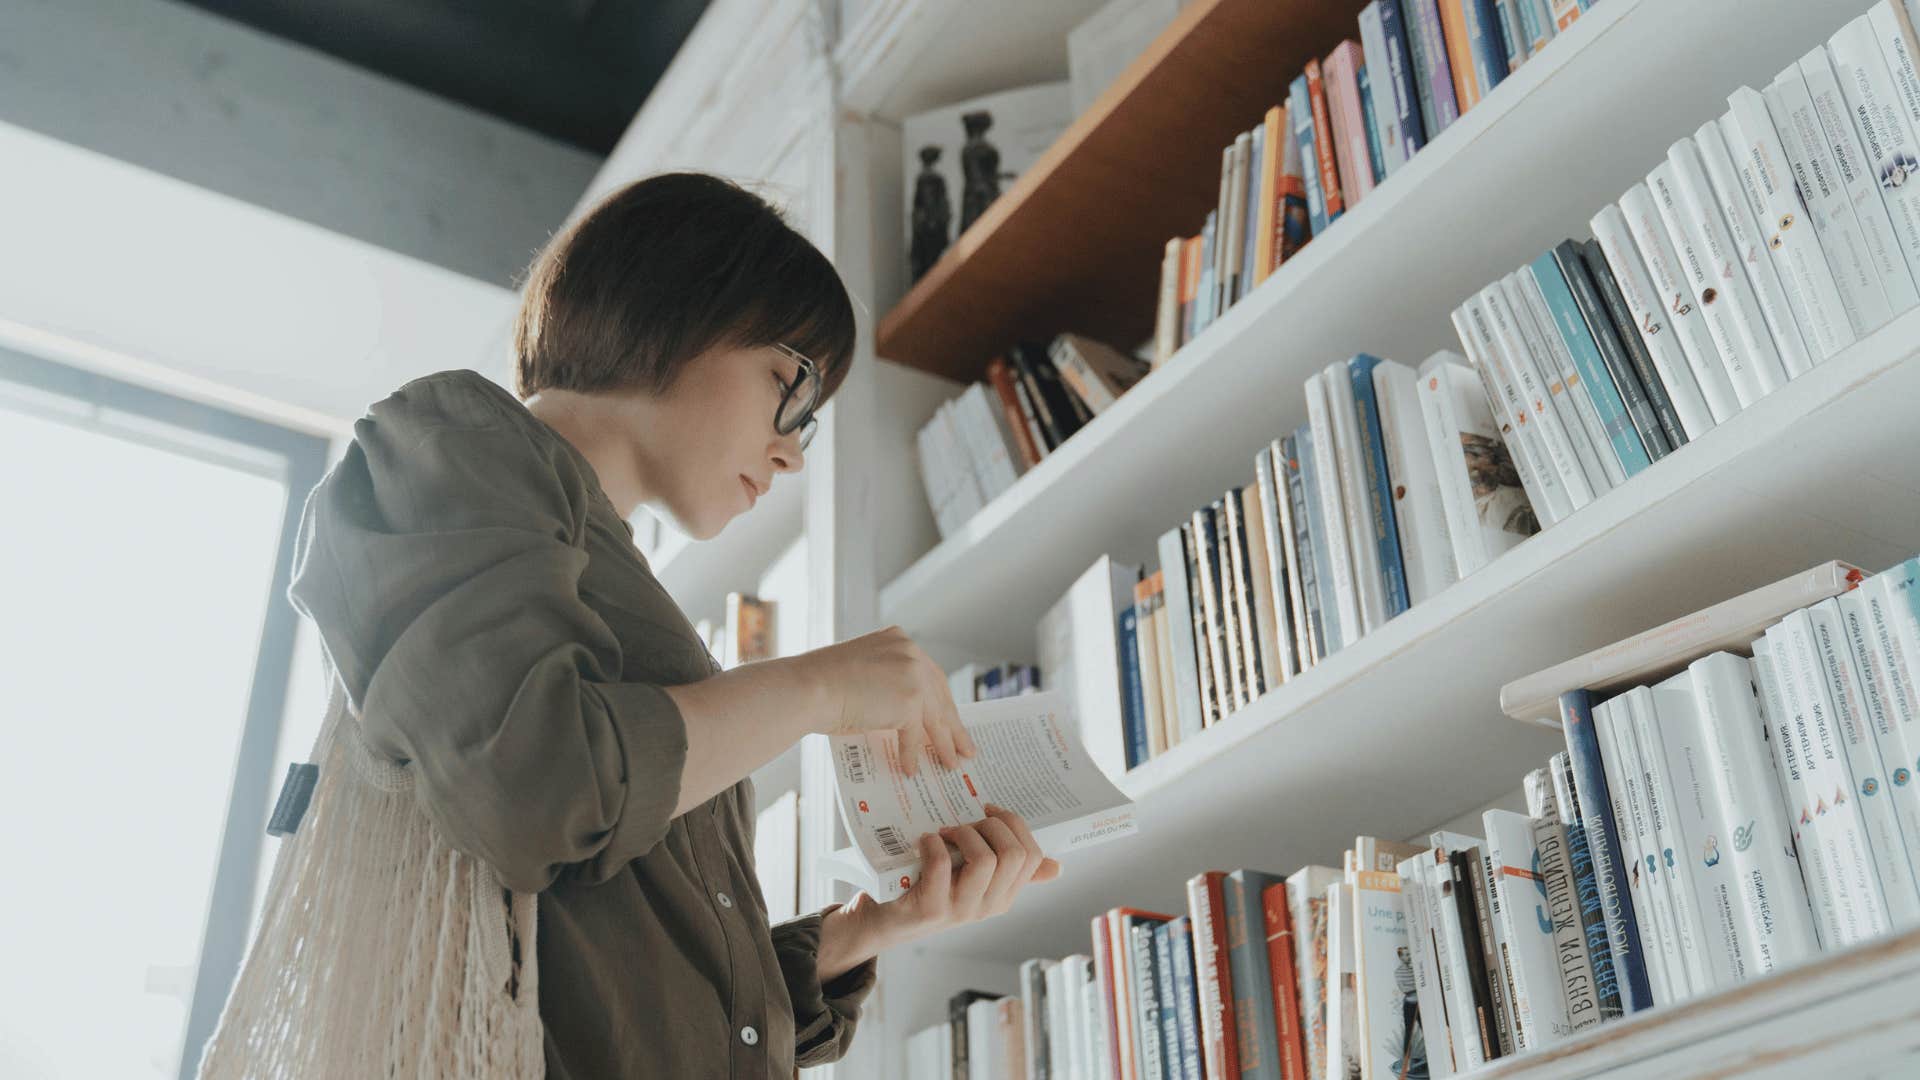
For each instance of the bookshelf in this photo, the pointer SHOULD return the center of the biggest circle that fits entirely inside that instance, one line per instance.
(1075, 243)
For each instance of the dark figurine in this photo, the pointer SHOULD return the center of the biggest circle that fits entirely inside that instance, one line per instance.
(932, 214)
(979, 169)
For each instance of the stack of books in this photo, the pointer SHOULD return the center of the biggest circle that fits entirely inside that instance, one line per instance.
(1736, 798)
(1349, 122)
(1034, 399)
(1398, 485)
(1774, 237)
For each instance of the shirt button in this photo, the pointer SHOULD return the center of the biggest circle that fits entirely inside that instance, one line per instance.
(749, 1036)
(725, 900)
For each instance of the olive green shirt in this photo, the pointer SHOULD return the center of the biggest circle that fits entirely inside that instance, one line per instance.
(495, 626)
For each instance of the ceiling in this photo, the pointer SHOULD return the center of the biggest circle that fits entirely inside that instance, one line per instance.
(574, 70)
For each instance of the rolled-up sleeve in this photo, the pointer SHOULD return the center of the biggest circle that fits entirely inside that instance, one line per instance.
(441, 567)
(824, 1014)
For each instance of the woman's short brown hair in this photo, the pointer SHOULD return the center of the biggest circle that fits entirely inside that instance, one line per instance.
(665, 269)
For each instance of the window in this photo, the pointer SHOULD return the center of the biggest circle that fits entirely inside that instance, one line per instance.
(145, 646)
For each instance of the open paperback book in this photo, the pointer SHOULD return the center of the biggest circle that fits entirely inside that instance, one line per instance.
(1029, 759)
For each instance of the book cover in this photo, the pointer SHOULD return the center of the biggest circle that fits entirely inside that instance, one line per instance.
(1332, 187)
(1232, 218)
(1857, 178)
(1191, 250)
(1862, 291)
(1178, 595)
(1572, 964)
(1778, 918)
(1428, 996)
(1883, 717)
(1743, 230)
(1586, 887)
(1786, 227)
(1683, 199)
(1665, 650)
(1618, 362)
(1310, 534)
(1469, 1036)
(1213, 967)
(1307, 903)
(1354, 478)
(1402, 74)
(1821, 883)
(1555, 438)
(1393, 1041)
(1186, 1015)
(1513, 35)
(1635, 885)
(1571, 342)
(1488, 1013)
(1306, 148)
(1674, 403)
(1000, 376)
(1251, 975)
(1166, 312)
(1374, 151)
(1050, 397)
(1459, 42)
(1487, 511)
(1247, 186)
(1525, 916)
(1426, 551)
(959, 1022)
(1596, 821)
(1098, 372)
(1668, 967)
(1127, 988)
(1541, 478)
(1283, 970)
(1341, 75)
(1207, 304)
(1383, 530)
(1895, 90)
(1566, 11)
(1659, 248)
(1566, 394)
(1703, 949)
(1163, 660)
(1149, 1041)
(1493, 945)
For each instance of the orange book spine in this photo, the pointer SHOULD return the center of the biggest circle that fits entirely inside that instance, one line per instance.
(1213, 980)
(1453, 26)
(1000, 377)
(1286, 981)
(1323, 142)
(1266, 240)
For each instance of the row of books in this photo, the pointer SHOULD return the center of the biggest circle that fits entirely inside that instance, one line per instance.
(1398, 485)
(1034, 399)
(1348, 123)
(744, 635)
(1698, 295)
(991, 682)
(1718, 814)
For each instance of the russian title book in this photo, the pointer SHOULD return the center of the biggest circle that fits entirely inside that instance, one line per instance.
(1743, 229)
(1611, 869)
(1657, 711)
(1586, 882)
(1652, 906)
(1530, 958)
(1572, 964)
(1862, 189)
(1822, 888)
(1877, 701)
(1635, 223)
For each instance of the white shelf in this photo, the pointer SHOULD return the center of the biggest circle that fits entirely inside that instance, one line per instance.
(900, 57)
(1403, 729)
(699, 574)
(1852, 1015)
(1568, 132)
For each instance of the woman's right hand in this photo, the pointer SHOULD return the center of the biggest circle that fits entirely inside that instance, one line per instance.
(882, 681)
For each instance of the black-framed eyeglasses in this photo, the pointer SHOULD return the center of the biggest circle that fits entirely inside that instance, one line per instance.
(799, 401)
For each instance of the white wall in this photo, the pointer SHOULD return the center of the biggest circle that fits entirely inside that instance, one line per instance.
(186, 93)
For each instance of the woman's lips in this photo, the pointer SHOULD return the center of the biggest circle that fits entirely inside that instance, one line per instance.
(753, 493)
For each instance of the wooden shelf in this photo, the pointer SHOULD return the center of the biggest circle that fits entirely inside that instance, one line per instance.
(1076, 242)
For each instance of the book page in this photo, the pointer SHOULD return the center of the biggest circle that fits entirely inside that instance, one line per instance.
(1030, 760)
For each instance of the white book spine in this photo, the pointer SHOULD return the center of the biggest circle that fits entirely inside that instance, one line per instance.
(990, 454)
(1845, 852)
(1861, 189)
(1893, 625)
(1896, 752)
(1868, 770)
(1524, 430)
(1467, 542)
(1886, 139)
(1501, 971)
(1385, 89)
(1616, 766)
(1817, 174)
(933, 480)
(1666, 850)
(1355, 494)
(1700, 861)
(1343, 1003)
(1425, 549)
(1327, 468)
(1554, 435)
(1699, 404)
(1426, 972)
(1744, 230)
(1469, 1047)
(1786, 226)
(1537, 477)
(1269, 632)
(1821, 891)
(1891, 25)
(1527, 924)
(1180, 626)
(1681, 309)
(953, 455)
(1723, 327)
(1779, 919)
(1566, 393)
(1759, 370)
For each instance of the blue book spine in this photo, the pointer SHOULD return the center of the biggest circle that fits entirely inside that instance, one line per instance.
(1603, 845)
(1593, 921)
(1594, 374)
(1186, 998)
(1300, 118)
(1529, 15)
(1146, 999)
(1373, 448)
(1251, 228)
(1329, 605)
(1133, 700)
(1376, 155)
(1169, 1004)
(1512, 37)
(1408, 108)
(1250, 972)
(1428, 39)
(1485, 43)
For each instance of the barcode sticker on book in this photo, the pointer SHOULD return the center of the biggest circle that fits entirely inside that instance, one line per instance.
(856, 762)
(891, 841)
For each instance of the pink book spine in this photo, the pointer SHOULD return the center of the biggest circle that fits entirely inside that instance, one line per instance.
(1349, 122)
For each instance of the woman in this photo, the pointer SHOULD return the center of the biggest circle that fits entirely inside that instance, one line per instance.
(474, 581)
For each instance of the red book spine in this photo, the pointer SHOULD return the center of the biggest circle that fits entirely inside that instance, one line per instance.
(1219, 1038)
(1103, 979)
(1323, 141)
(1000, 377)
(1286, 982)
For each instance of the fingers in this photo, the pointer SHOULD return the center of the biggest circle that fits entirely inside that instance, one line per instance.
(1012, 863)
(1041, 867)
(912, 738)
(936, 878)
(976, 874)
(940, 735)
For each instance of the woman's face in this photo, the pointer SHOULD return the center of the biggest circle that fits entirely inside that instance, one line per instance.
(713, 451)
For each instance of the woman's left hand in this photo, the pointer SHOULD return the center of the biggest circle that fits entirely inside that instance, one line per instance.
(999, 857)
